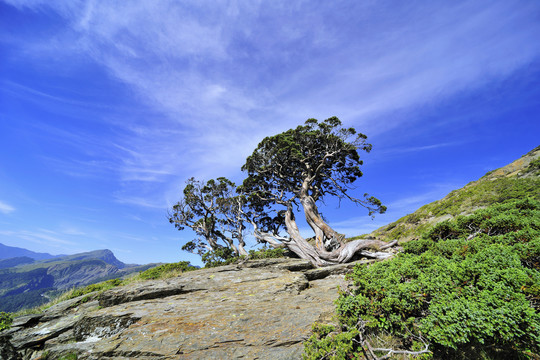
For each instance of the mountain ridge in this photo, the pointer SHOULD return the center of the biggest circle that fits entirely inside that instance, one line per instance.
(26, 283)
(7, 252)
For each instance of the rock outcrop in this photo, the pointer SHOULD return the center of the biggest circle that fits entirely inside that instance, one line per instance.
(262, 309)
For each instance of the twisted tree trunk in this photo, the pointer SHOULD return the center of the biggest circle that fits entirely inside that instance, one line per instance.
(318, 255)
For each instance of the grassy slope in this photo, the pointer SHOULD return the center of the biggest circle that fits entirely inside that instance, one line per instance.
(513, 181)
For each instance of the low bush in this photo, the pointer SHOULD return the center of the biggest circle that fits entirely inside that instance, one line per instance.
(267, 253)
(218, 257)
(101, 286)
(166, 270)
(6, 320)
(469, 288)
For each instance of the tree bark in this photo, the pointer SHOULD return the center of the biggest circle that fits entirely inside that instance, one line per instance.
(325, 236)
(318, 255)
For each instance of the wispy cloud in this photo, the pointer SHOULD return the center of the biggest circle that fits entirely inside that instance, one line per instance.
(41, 236)
(6, 208)
(222, 75)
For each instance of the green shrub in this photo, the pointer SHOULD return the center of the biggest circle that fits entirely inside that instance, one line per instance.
(219, 257)
(482, 193)
(267, 253)
(69, 357)
(327, 343)
(101, 286)
(225, 256)
(534, 165)
(161, 271)
(6, 320)
(470, 287)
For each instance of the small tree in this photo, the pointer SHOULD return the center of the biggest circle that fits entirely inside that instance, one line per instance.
(300, 167)
(213, 211)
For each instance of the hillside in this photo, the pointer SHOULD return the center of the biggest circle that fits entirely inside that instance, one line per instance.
(513, 181)
(26, 283)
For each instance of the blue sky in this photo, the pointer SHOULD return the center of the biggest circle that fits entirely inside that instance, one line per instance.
(108, 107)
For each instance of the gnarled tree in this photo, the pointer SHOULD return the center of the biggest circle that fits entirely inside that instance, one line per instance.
(213, 211)
(300, 167)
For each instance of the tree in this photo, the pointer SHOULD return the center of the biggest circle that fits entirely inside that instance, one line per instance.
(300, 167)
(213, 212)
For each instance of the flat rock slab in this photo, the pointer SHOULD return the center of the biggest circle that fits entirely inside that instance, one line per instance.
(256, 311)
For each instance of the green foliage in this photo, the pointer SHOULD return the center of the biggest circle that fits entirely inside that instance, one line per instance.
(534, 165)
(479, 194)
(6, 320)
(219, 257)
(102, 286)
(225, 256)
(469, 286)
(213, 211)
(71, 356)
(327, 343)
(267, 253)
(162, 271)
(324, 154)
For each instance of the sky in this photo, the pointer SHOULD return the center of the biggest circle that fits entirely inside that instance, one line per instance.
(108, 107)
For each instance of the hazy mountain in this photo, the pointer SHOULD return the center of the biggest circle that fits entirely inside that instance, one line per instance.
(11, 262)
(7, 252)
(25, 282)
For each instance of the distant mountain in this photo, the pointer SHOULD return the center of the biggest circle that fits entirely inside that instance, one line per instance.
(516, 180)
(105, 255)
(7, 252)
(7, 263)
(25, 282)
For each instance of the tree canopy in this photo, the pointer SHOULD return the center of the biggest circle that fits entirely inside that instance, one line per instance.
(296, 168)
(300, 167)
(213, 211)
(316, 159)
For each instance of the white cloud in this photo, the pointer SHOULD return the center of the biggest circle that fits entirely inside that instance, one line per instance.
(6, 208)
(45, 237)
(222, 75)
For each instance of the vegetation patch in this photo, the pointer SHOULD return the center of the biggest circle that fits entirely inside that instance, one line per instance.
(166, 270)
(102, 286)
(480, 194)
(6, 320)
(469, 288)
(225, 256)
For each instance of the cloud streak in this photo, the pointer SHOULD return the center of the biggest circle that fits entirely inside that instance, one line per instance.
(6, 208)
(222, 75)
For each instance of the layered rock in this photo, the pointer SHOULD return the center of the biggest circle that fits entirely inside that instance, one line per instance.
(257, 310)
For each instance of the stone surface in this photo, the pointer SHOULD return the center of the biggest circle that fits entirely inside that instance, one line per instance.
(257, 310)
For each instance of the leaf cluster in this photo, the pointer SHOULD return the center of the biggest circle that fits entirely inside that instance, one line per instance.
(482, 193)
(218, 257)
(316, 159)
(6, 319)
(212, 210)
(101, 286)
(225, 256)
(470, 285)
(161, 271)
